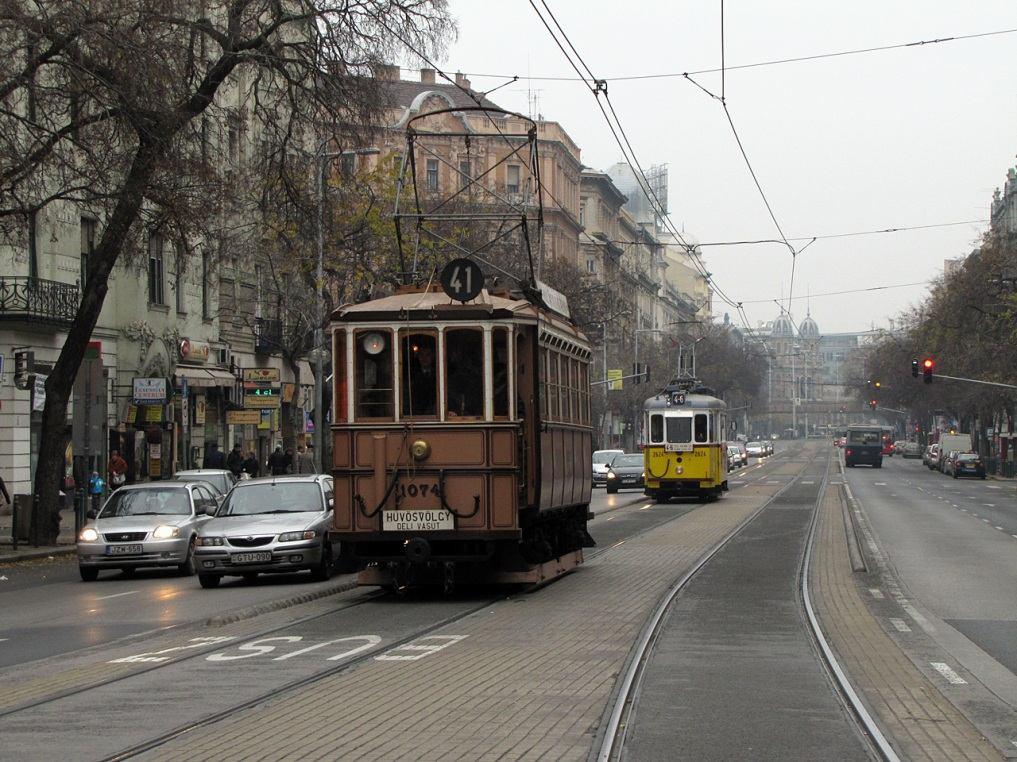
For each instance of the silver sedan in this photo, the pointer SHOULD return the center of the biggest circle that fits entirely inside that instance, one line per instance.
(152, 524)
(272, 524)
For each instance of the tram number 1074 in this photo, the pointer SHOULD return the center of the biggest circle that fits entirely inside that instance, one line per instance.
(421, 489)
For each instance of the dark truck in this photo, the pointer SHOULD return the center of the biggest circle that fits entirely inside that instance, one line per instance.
(864, 445)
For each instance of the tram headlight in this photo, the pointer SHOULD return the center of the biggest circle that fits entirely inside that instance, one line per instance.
(373, 343)
(420, 449)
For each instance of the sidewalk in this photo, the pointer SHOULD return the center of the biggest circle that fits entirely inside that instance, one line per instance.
(25, 552)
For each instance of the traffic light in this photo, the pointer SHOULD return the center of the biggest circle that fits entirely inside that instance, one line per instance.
(928, 365)
(914, 367)
(872, 404)
(876, 384)
(636, 377)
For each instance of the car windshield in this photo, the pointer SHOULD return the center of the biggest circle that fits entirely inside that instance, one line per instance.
(864, 437)
(967, 456)
(147, 502)
(604, 456)
(273, 497)
(219, 481)
(627, 460)
(754, 444)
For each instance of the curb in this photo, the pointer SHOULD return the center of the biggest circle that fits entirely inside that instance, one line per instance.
(31, 555)
(250, 612)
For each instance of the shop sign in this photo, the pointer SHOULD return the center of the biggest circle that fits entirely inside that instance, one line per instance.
(265, 375)
(199, 409)
(39, 393)
(265, 424)
(149, 390)
(288, 392)
(132, 414)
(243, 417)
(152, 414)
(261, 401)
(194, 351)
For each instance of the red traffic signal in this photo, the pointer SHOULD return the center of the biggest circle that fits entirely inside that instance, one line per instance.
(872, 404)
(928, 365)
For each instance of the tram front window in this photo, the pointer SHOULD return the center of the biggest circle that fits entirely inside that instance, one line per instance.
(374, 375)
(420, 375)
(679, 429)
(464, 371)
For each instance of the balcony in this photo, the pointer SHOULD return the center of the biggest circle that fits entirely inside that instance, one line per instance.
(38, 300)
(267, 335)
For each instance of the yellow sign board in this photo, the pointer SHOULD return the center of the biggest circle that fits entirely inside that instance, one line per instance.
(270, 375)
(243, 417)
(614, 379)
(153, 413)
(257, 402)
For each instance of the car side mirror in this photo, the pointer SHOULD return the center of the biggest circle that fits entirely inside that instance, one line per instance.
(92, 514)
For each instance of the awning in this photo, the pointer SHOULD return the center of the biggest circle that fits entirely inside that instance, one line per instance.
(205, 377)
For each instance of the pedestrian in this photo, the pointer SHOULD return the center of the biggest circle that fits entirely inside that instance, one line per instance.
(277, 462)
(251, 465)
(116, 471)
(213, 457)
(96, 486)
(235, 461)
(291, 463)
(305, 461)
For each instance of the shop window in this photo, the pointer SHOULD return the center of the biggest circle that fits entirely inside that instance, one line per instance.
(374, 374)
(419, 359)
(500, 375)
(464, 371)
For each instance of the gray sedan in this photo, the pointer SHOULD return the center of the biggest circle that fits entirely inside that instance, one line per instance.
(273, 524)
(221, 479)
(152, 524)
(626, 470)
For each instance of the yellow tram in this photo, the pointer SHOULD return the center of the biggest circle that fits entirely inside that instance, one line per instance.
(685, 454)
(461, 437)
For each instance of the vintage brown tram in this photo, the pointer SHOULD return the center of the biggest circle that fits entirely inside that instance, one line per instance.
(461, 438)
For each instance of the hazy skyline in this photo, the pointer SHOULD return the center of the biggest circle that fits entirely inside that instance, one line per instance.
(907, 137)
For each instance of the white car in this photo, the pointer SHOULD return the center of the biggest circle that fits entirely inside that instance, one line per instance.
(755, 449)
(602, 464)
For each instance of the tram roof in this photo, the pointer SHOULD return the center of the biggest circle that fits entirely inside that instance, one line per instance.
(692, 402)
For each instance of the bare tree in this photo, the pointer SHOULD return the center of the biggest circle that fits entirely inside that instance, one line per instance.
(121, 107)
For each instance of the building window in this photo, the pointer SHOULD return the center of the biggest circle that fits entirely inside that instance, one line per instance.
(432, 174)
(156, 269)
(206, 292)
(512, 179)
(464, 174)
(88, 227)
(178, 278)
(582, 212)
(591, 265)
(33, 245)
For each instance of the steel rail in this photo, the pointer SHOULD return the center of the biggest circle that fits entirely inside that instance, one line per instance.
(854, 701)
(614, 735)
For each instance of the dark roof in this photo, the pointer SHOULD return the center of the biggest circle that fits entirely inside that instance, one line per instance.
(402, 92)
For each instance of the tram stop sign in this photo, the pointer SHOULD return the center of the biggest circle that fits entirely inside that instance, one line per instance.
(462, 279)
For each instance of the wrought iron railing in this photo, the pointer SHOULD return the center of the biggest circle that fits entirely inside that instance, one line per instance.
(37, 299)
(267, 334)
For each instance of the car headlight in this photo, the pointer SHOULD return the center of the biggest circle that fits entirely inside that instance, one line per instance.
(610, 475)
(294, 536)
(642, 475)
(165, 532)
(208, 541)
(88, 534)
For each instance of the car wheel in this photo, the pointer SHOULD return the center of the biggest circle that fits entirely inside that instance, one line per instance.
(209, 581)
(186, 569)
(323, 571)
(88, 573)
(128, 571)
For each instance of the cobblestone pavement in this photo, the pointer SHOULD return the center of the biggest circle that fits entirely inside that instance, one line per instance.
(530, 678)
(919, 721)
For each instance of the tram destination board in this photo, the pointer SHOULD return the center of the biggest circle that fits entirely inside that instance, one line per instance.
(462, 279)
(430, 520)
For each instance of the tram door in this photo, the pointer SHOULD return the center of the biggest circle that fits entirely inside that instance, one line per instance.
(526, 410)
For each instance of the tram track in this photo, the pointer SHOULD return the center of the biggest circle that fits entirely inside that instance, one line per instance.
(624, 706)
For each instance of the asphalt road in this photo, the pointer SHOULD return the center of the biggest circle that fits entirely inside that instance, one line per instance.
(953, 543)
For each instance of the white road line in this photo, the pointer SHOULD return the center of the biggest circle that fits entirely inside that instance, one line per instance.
(965, 510)
(951, 677)
(115, 595)
(985, 520)
(807, 482)
(878, 594)
(879, 484)
(989, 505)
(1014, 536)
(3, 640)
(955, 505)
(899, 624)
(994, 487)
(1000, 528)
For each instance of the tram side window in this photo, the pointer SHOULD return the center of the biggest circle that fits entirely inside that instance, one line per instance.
(500, 375)
(374, 375)
(554, 398)
(574, 390)
(585, 388)
(656, 428)
(702, 428)
(419, 361)
(464, 373)
(341, 387)
(679, 429)
(545, 390)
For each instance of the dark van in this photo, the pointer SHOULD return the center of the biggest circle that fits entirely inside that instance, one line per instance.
(864, 445)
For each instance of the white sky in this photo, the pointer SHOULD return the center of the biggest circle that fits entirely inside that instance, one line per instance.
(906, 137)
